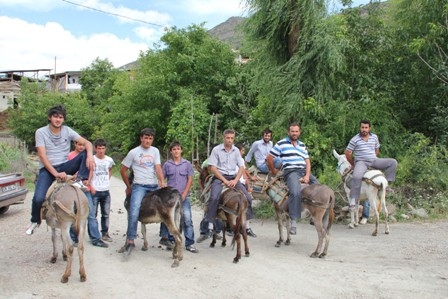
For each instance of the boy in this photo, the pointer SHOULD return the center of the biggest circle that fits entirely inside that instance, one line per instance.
(100, 185)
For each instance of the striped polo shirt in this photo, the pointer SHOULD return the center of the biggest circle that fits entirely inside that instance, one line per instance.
(292, 156)
(364, 150)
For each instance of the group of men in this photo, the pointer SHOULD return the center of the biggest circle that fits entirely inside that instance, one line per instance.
(226, 163)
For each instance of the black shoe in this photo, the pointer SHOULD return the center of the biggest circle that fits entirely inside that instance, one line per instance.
(311, 221)
(165, 242)
(250, 233)
(99, 243)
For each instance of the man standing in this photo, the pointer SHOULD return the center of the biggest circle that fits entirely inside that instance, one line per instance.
(260, 150)
(99, 187)
(296, 168)
(365, 146)
(53, 146)
(144, 160)
(224, 161)
(179, 173)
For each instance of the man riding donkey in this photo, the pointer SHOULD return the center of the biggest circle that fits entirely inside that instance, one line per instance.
(365, 146)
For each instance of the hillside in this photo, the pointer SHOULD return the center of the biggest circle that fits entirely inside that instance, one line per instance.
(227, 32)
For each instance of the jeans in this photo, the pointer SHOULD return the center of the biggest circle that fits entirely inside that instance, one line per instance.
(292, 178)
(45, 179)
(92, 222)
(138, 192)
(203, 226)
(215, 194)
(187, 225)
(366, 209)
(102, 198)
(264, 167)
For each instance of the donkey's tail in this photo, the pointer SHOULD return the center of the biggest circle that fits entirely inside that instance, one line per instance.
(179, 216)
(330, 212)
(242, 202)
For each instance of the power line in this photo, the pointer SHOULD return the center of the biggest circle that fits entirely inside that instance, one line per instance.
(114, 14)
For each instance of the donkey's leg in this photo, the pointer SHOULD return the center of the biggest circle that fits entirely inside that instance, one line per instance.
(81, 234)
(237, 237)
(373, 202)
(145, 239)
(327, 226)
(54, 241)
(287, 220)
(178, 242)
(317, 215)
(65, 234)
(386, 212)
(280, 230)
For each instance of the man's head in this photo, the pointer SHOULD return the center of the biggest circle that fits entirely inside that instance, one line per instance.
(57, 115)
(176, 149)
(266, 135)
(294, 132)
(228, 137)
(100, 148)
(240, 146)
(364, 127)
(146, 137)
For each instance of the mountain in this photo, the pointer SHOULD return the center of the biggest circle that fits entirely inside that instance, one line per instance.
(228, 32)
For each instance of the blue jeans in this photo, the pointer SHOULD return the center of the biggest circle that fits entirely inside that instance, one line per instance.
(292, 178)
(92, 222)
(45, 179)
(102, 198)
(264, 167)
(138, 192)
(366, 209)
(187, 225)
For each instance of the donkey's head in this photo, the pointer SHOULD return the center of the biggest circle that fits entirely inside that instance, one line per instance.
(343, 165)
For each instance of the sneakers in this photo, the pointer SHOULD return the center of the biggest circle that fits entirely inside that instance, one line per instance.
(165, 242)
(201, 238)
(250, 233)
(106, 238)
(191, 248)
(99, 243)
(363, 221)
(80, 185)
(128, 247)
(293, 230)
(31, 228)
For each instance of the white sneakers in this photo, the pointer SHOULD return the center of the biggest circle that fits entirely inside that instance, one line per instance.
(31, 228)
(363, 221)
(80, 185)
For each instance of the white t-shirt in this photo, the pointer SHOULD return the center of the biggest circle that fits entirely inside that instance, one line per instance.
(143, 163)
(100, 180)
(242, 180)
(57, 147)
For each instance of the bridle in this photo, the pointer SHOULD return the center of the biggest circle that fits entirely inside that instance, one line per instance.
(347, 170)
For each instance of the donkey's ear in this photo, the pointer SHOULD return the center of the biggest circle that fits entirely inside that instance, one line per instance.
(335, 154)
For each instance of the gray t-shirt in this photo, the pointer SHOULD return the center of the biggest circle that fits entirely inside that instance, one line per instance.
(57, 147)
(143, 162)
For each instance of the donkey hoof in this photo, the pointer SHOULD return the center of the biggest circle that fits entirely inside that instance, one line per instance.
(175, 264)
(64, 279)
(247, 254)
(322, 255)
(288, 242)
(235, 260)
(374, 234)
(278, 244)
(386, 232)
(314, 255)
(53, 260)
(83, 278)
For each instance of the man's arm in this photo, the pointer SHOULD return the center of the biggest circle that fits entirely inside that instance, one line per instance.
(124, 177)
(349, 156)
(90, 161)
(160, 177)
(306, 178)
(270, 163)
(42, 153)
(251, 152)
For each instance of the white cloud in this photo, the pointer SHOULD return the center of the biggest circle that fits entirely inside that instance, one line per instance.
(211, 7)
(32, 46)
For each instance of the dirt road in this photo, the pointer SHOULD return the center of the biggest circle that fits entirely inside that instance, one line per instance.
(411, 262)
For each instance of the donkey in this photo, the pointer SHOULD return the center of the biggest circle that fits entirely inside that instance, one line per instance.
(373, 186)
(232, 211)
(162, 205)
(318, 200)
(67, 205)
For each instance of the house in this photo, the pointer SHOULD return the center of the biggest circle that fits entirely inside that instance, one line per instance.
(10, 85)
(64, 82)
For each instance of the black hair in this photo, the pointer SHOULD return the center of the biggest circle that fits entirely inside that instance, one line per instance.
(365, 121)
(174, 144)
(147, 132)
(100, 142)
(57, 110)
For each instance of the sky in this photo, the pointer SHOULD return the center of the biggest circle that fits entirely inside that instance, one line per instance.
(64, 35)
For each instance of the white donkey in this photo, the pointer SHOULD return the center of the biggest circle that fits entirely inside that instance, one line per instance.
(373, 185)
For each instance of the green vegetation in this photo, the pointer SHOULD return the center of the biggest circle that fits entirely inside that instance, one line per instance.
(384, 62)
